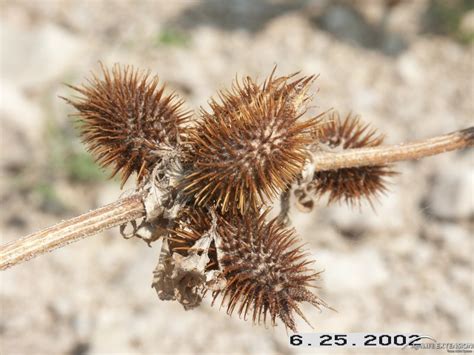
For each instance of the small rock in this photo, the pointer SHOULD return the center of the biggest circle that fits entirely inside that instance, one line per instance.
(20, 127)
(351, 272)
(387, 213)
(454, 305)
(409, 69)
(467, 23)
(457, 240)
(37, 56)
(452, 193)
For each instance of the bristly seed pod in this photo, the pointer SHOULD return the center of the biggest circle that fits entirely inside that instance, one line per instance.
(265, 270)
(349, 184)
(127, 121)
(251, 145)
(267, 273)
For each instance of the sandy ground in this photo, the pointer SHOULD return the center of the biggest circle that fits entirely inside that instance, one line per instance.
(407, 267)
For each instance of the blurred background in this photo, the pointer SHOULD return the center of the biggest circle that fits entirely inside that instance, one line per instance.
(404, 66)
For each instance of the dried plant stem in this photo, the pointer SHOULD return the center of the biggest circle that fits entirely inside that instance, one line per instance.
(389, 154)
(131, 208)
(70, 231)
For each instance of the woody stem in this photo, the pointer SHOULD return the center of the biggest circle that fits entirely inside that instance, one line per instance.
(389, 154)
(70, 231)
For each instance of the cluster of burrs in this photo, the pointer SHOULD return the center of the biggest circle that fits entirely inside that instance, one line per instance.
(209, 179)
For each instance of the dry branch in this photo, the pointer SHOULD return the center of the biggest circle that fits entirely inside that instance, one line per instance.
(72, 230)
(131, 208)
(389, 154)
